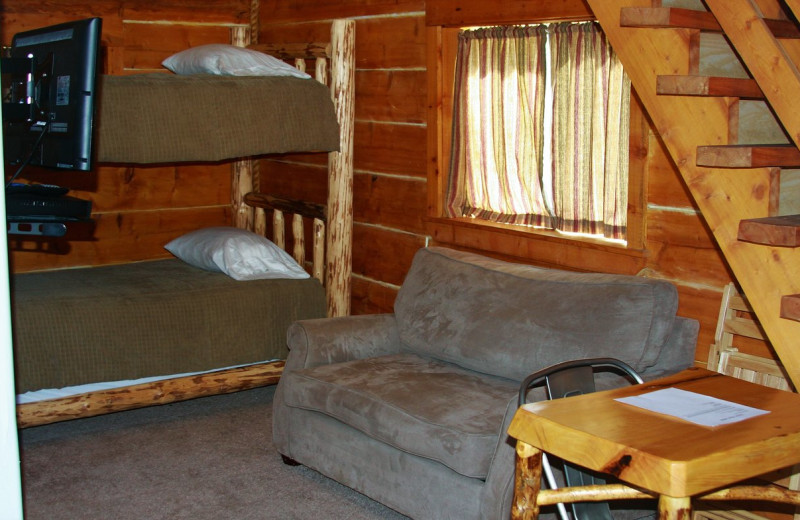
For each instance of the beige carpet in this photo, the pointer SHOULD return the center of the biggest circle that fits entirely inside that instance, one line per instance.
(210, 458)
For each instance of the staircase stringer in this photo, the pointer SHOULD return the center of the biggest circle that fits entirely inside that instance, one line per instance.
(794, 5)
(765, 58)
(723, 196)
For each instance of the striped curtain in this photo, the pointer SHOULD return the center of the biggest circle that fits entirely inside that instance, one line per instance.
(591, 121)
(500, 95)
(540, 137)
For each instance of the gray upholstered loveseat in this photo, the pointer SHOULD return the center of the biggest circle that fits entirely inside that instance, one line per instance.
(412, 408)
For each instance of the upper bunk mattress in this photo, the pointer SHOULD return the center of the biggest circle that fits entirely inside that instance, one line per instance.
(164, 118)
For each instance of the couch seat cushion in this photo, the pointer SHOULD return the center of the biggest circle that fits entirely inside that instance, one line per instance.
(425, 407)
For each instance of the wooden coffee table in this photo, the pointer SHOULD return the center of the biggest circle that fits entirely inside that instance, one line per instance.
(658, 455)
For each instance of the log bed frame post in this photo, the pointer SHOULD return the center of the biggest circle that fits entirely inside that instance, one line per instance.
(243, 170)
(340, 171)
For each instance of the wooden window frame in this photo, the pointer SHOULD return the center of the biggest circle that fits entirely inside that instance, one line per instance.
(442, 45)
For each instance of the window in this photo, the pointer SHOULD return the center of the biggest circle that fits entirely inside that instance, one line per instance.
(540, 130)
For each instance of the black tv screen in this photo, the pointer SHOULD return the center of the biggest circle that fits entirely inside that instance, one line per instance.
(49, 95)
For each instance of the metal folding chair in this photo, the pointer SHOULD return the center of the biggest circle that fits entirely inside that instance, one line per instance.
(564, 380)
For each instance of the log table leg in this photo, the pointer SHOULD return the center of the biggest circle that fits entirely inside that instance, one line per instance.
(527, 482)
(671, 508)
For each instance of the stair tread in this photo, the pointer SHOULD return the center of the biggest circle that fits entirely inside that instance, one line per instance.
(748, 156)
(790, 307)
(781, 231)
(668, 17)
(678, 17)
(690, 85)
(783, 28)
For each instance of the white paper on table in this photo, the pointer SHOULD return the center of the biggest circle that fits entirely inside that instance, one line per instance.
(697, 408)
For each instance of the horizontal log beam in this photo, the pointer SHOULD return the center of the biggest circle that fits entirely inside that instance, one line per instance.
(291, 51)
(148, 394)
(298, 207)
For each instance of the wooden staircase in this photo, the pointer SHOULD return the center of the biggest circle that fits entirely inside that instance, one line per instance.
(734, 179)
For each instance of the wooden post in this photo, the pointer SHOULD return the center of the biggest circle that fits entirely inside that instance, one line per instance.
(260, 224)
(674, 508)
(278, 229)
(242, 170)
(318, 264)
(527, 482)
(299, 239)
(340, 171)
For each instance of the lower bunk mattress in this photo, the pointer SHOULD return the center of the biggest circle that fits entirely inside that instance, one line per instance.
(122, 322)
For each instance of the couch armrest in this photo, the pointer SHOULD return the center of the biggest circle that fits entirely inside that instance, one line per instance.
(333, 340)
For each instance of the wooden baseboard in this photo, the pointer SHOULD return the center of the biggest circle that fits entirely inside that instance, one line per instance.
(148, 394)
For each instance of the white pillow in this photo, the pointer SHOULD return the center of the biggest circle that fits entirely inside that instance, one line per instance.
(229, 60)
(241, 254)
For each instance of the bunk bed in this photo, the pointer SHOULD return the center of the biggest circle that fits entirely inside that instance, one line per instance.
(330, 261)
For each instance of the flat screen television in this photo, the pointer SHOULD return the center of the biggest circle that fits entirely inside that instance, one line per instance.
(49, 95)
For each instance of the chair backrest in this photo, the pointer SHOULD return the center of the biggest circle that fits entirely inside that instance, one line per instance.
(564, 380)
(738, 327)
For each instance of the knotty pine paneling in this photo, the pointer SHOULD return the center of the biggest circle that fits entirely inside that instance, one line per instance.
(539, 249)
(197, 11)
(143, 188)
(117, 238)
(390, 148)
(680, 248)
(372, 298)
(18, 16)
(127, 188)
(295, 180)
(387, 253)
(148, 44)
(397, 42)
(665, 186)
(696, 302)
(391, 95)
(282, 11)
(471, 12)
(389, 201)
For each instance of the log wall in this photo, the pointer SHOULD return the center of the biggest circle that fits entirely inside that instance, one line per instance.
(139, 209)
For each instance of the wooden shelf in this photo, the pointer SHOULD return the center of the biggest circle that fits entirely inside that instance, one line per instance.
(783, 231)
(748, 156)
(708, 86)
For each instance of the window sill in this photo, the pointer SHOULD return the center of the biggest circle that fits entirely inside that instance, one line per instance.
(542, 246)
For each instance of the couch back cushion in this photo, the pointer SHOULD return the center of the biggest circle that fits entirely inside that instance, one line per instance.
(509, 320)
